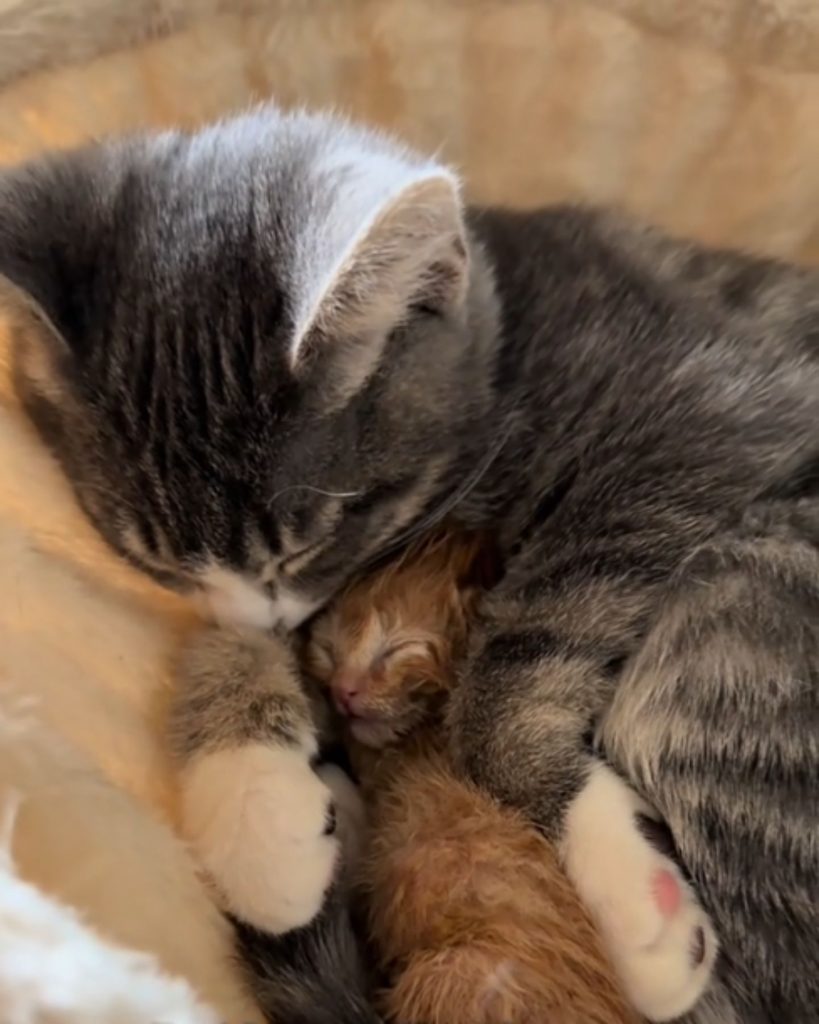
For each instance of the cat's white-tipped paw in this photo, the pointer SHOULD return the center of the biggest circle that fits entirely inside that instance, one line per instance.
(262, 823)
(658, 937)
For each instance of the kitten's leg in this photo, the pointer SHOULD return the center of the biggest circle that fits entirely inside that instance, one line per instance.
(349, 809)
(259, 817)
(519, 724)
(717, 721)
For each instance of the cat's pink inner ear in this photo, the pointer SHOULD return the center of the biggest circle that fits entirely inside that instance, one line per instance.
(40, 351)
(411, 251)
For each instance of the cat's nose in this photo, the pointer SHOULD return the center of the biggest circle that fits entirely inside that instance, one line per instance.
(347, 688)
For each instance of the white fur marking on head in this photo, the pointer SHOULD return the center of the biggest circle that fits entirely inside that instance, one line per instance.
(290, 609)
(233, 600)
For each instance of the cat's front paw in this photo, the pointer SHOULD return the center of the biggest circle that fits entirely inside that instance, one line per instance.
(262, 823)
(659, 938)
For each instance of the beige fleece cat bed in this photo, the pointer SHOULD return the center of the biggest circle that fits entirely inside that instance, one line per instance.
(700, 116)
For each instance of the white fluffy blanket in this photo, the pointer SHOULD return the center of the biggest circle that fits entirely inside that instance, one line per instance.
(54, 967)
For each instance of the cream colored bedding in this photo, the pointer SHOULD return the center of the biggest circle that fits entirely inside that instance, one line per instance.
(703, 116)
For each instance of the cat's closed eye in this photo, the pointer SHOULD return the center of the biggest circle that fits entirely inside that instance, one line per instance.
(298, 560)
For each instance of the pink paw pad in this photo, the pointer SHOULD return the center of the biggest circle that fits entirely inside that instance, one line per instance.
(667, 893)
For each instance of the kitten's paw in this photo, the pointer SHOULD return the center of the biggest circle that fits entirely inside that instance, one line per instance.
(350, 811)
(659, 938)
(263, 825)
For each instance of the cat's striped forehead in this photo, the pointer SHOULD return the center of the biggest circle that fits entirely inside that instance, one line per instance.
(316, 186)
(220, 374)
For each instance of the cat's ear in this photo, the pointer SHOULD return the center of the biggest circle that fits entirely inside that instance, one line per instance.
(391, 253)
(41, 358)
(31, 287)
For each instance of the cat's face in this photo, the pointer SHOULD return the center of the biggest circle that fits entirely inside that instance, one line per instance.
(248, 348)
(386, 647)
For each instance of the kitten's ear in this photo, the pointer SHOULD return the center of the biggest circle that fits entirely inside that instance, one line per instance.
(390, 255)
(478, 563)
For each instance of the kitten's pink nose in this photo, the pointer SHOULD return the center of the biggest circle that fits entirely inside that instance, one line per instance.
(347, 689)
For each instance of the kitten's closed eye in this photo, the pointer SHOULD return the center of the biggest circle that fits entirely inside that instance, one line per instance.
(321, 658)
(422, 648)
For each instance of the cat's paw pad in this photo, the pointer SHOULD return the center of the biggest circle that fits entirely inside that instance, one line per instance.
(263, 824)
(659, 938)
(666, 969)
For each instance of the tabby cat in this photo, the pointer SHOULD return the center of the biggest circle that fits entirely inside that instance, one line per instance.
(268, 353)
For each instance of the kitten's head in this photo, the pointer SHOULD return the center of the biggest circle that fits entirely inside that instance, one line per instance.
(386, 647)
(250, 348)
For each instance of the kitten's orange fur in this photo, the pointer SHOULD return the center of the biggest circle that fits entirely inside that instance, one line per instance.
(471, 915)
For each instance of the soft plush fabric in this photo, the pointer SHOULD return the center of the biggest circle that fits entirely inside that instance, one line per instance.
(54, 967)
(699, 115)
(83, 684)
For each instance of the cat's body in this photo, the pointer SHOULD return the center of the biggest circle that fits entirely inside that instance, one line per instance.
(470, 916)
(276, 350)
(692, 620)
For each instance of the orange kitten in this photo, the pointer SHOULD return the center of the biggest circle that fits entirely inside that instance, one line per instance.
(472, 918)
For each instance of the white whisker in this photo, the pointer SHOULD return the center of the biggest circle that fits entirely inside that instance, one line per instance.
(314, 490)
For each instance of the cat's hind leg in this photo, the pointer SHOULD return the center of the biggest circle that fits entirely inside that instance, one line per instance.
(519, 721)
(716, 721)
(657, 934)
